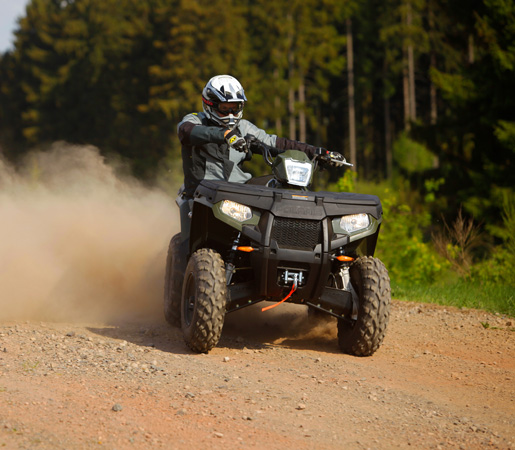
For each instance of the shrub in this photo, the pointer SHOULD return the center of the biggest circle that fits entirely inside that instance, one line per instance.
(456, 243)
(500, 267)
(412, 156)
(401, 245)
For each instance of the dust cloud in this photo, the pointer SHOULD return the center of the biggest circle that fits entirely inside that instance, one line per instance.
(287, 324)
(79, 241)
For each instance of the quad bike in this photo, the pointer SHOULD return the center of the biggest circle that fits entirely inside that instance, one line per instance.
(279, 242)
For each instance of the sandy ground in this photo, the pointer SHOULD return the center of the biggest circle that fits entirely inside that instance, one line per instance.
(443, 379)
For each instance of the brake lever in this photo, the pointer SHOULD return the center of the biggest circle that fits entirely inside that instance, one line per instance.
(345, 163)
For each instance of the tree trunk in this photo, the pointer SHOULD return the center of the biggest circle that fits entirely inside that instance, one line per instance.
(388, 139)
(411, 66)
(302, 110)
(432, 88)
(291, 111)
(278, 121)
(277, 105)
(291, 99)
(387, 128)
(291, 82)
(471, 54)
(350, 89)
(405, 90)
(432, 92)
(433, 115)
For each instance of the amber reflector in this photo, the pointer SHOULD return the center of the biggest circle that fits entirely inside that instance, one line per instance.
(245, 249)
(344, 258)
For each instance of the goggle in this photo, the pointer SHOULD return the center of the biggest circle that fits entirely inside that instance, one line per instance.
(232, 108)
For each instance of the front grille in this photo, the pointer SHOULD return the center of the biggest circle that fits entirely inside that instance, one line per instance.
(294, 233)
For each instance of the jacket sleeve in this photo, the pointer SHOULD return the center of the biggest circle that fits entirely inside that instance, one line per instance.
(288, 144)
(247, 127)
(192, 132)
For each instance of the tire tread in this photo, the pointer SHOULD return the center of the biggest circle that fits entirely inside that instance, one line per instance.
(372, 283)
(206, 328)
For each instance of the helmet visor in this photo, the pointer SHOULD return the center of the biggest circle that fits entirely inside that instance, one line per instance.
(226, 108)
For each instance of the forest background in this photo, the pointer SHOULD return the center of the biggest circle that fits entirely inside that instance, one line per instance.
(418, 94)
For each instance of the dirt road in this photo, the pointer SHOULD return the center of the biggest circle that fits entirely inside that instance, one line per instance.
(443, 379)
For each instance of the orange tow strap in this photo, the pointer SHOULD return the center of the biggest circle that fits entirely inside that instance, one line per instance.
(283, 300)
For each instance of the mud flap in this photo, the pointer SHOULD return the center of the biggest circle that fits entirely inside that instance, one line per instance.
(336, 302)
(185, 205)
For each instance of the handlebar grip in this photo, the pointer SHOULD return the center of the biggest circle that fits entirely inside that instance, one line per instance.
(332, 158)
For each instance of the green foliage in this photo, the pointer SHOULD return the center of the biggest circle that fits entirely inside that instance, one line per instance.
(496, 270)
(411, 156)
(497, 28)
(419, 273)
(347, 183)
(499, 269)
(401, 246)
(455, 88)
(505, 133)
(431, 187)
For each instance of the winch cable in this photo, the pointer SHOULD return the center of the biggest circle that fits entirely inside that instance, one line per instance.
(293, 289)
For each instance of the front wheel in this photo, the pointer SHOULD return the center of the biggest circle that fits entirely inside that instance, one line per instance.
(364, 335)
(204, 300)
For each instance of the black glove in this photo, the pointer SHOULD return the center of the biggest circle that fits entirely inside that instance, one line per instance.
(236, 142)
(329, 158)
(335, 159)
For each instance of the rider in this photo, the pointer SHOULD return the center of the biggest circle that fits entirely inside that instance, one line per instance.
(213, 144)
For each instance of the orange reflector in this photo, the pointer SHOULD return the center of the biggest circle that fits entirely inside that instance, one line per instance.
(344, 258)
(245, 249)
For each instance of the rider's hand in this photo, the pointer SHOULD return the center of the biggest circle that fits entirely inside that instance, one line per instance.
(328, 158)
(235, 141)
(335, 159)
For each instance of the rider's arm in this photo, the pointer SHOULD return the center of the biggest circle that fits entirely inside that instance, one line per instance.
(247, 127)
(289, 144)
(192, 132)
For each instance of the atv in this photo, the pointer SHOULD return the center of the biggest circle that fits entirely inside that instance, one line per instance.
(278, 241)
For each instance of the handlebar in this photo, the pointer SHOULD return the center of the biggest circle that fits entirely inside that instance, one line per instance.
(256, 146)
(321, 154)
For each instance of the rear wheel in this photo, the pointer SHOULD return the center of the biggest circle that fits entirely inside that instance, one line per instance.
(204, 299)
(363, 336)
(174, 275)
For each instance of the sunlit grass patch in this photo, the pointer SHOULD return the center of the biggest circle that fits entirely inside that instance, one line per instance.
(461, 294)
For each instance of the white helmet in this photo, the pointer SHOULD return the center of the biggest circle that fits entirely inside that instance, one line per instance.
(224, 89)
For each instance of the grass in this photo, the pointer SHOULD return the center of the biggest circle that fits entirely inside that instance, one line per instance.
(29, 366)
(461, 294)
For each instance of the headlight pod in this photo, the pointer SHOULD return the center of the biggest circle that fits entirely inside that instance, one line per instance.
(298, 173)
(236, 211)
(354, 222)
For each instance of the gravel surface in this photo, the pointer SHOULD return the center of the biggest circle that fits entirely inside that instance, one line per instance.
(443, 379)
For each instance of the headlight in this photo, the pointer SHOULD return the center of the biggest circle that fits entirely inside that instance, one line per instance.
(354, 222)
(241, 213)
(299, 173)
